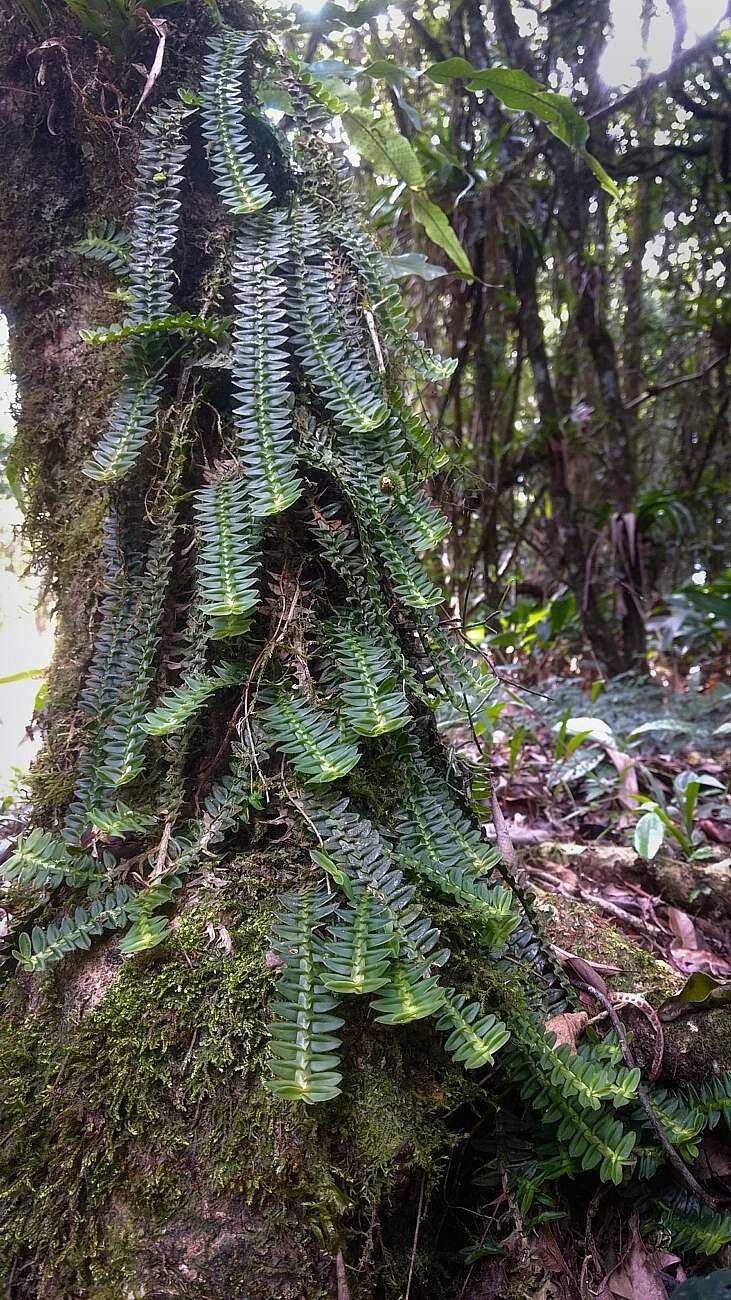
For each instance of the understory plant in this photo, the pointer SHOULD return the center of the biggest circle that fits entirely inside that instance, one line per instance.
(272, 526)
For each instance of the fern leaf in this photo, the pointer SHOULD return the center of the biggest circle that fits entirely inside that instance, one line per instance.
(42, 861)
(371, 704)
(345, 385)
(40, 949)
(387, 303)
(473, 1038)
(264, 402)
(108, 244)
(313, 741)
(303, 1047)
(180, 703)
(241, 185)
(125, 437)
(228, 556)
(182, 323)
(124, 739)
(159, 172)
(357, 955)
(409, 580)
(495, 906)
(410, 994)
(148, 930)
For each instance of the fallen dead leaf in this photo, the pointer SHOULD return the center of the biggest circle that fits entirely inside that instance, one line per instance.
(637, 1275)
(568, 1027)
(682, 927)
(687, 960)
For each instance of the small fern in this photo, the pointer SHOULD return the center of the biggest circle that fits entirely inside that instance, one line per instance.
(108, 244)
(148, 930)
(41, 948)
(345, 385)
(228, 556)
(312, 740)
(473, 1038)
(241, 184)
(160, 172)
(182, 702)
(304, 1062)
(356, 957)
(372, 704)
(182, 323)
(411, 994)
(264, 402)
(42, 861)
(128, 430)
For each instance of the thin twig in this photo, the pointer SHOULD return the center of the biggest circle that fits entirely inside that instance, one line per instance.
(678, 1164)
(407, 1292)
(655, 389)
(343, 1288)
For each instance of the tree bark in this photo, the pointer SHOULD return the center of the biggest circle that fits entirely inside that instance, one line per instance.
(140, 1153)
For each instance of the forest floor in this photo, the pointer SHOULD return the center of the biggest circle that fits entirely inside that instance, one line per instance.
(576, 764)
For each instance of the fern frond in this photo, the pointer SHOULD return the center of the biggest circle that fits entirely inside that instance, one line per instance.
(357, 955)
(264, 401)
(473, 1038)
(108, 244)
(429, 455)
(466, 683)
(182, 323)
(148, 930)
(128, 429)
(42, 861)
(411, 994)
(495, 906)
(690, 1225)
(433, 829)
(593, 1138)
(41, 948)
(409, 579)
(357, 849)
(312, 740)
(303, 1049)
(345, 385)
(581, 1076)
(228, 556)
(180, 703)
(240, 183)
(372, 705)
(387, 303)
(120, 820)
(159, 175)
(124, 738)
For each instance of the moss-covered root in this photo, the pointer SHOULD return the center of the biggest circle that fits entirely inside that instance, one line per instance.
(143, 1157)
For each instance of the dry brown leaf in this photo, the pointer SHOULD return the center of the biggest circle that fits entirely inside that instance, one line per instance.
(682, 927)
(568, 1027)
(637, 1275)
(688, 960)
(628, 789)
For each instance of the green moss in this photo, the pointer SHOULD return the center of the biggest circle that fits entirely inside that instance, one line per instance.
(581, 929)
(138, 1120)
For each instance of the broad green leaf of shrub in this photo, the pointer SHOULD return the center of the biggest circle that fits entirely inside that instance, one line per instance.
(440, 232)
(521, 93)
(403, 265)
(384, 146)
(715, 1287)
(649, 835)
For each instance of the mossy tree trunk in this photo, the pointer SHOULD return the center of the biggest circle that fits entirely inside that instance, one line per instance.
(141, 1154)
